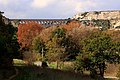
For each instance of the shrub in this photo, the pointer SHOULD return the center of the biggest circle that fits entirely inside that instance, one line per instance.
(31, 57)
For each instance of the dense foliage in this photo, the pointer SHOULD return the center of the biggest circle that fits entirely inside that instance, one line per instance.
(26, 33)
(8, 43)
(89, 47)
(97, 50)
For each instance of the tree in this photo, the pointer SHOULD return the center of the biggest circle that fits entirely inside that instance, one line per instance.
(8, 43)
(97, 50)
(72, 24)
(27, 32)
(46, 33)
(40, 41)
(55, 50)
(114, 34)
(73, 36)
(39, 46)
(65, 41)
(102, 24)
(72, 48)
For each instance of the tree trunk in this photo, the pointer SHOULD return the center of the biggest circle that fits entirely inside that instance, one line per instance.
(102, 69)
(57, 64)
(93, 73)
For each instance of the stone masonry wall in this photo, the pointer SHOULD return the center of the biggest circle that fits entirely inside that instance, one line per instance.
(106, 15)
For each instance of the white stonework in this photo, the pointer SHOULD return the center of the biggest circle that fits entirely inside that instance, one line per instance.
(112, 16)
(106, 15)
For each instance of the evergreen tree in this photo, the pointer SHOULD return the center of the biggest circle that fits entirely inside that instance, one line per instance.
(8, 43)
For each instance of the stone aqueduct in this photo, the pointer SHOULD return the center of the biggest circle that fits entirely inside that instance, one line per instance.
(114, 23)
(105, 15)
(44, 22)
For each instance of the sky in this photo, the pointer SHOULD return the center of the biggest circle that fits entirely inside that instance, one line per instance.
(53, 9)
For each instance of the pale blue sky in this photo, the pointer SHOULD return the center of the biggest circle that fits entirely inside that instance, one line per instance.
(37, 9)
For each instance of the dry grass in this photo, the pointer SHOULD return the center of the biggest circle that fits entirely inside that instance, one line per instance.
(112, 70)
(37, 73)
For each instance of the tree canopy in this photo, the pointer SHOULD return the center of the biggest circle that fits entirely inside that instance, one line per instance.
(8, 43)
(97, 50)
(26, 33)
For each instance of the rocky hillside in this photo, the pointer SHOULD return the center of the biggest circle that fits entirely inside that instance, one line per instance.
(112, 16)
(106, 15)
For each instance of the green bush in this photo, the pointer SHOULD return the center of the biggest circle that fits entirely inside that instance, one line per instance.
(31, 57)
(67, 66)
(53, 65)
